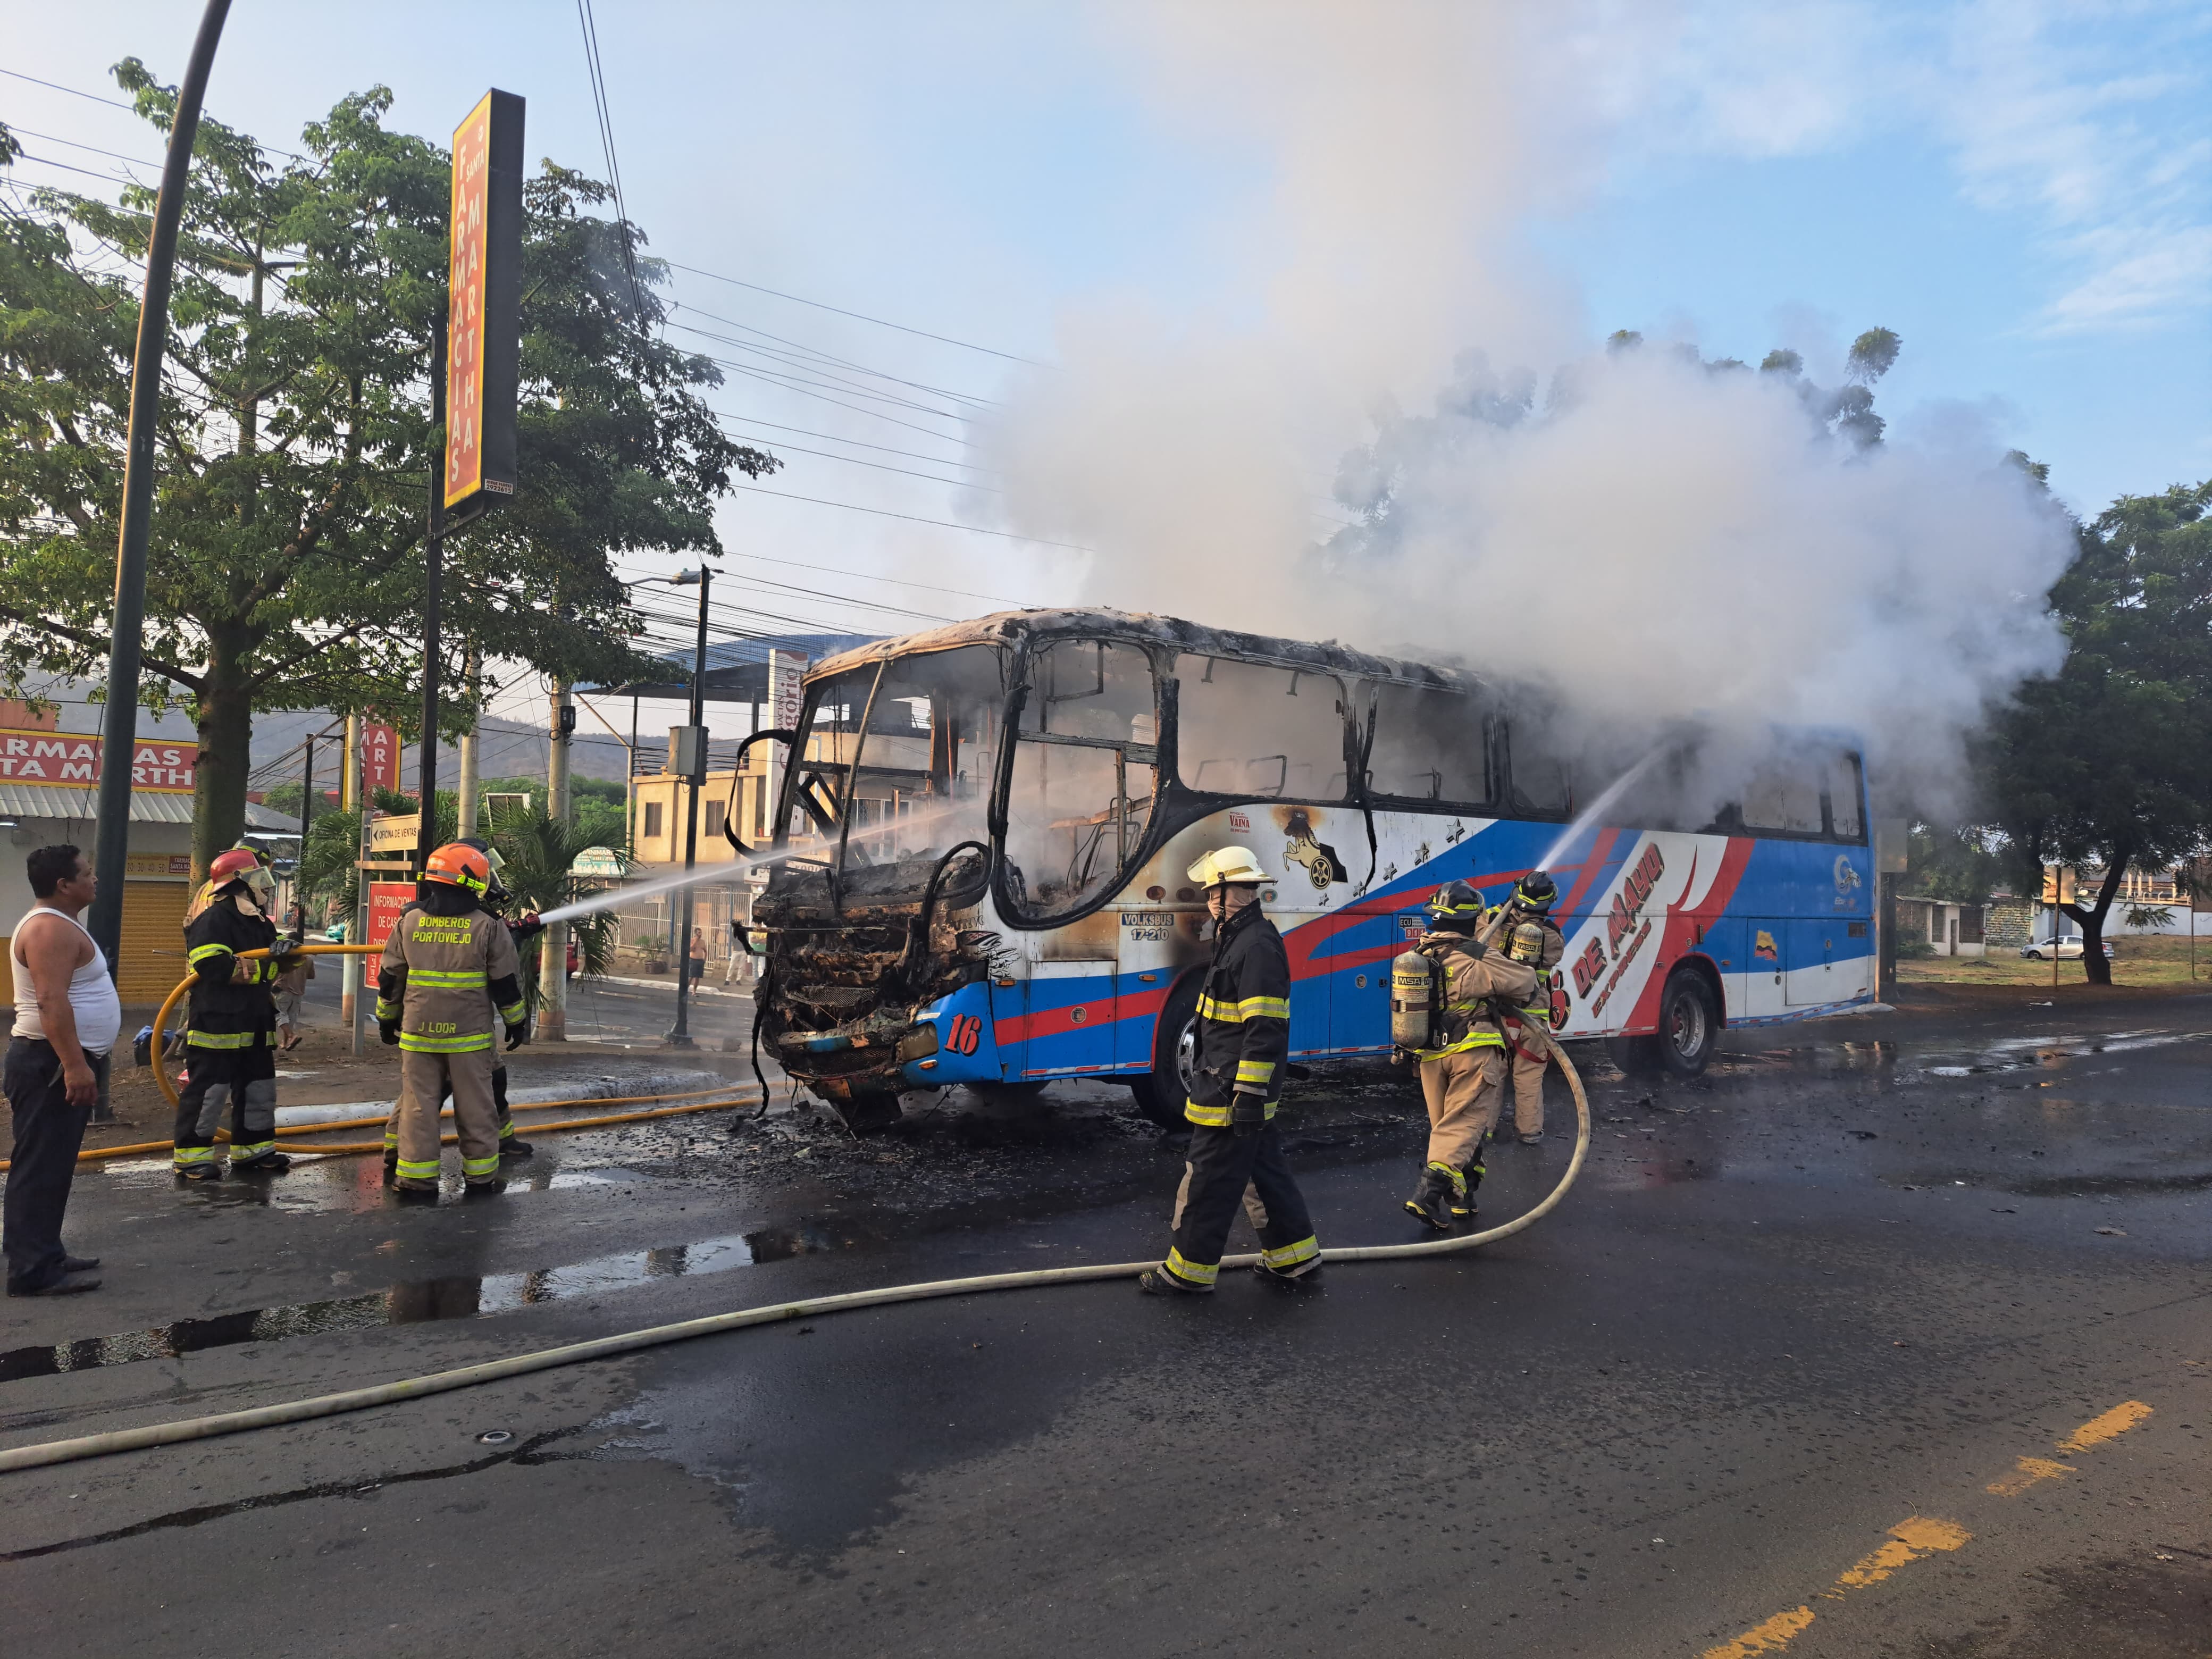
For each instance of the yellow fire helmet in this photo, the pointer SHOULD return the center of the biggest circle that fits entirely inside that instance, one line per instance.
(1234, 866)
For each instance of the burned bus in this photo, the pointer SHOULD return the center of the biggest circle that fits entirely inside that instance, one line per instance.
(976, 868)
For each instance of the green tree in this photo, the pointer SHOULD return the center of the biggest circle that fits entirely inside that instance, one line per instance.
(295, 445)
(539, 851)
(1956, 863)
(2109, 761)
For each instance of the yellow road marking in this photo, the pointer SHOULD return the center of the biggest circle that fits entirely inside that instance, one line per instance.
(1771, 1636)
(2112, 1424)
(2030, 1470)
(1909, 1541)
(1921, 1535)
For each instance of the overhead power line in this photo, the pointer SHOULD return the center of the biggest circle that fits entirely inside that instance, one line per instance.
(607, 141)
(861, 316)
(916, 518)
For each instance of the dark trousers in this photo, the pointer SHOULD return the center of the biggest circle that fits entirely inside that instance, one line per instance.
(243, 1083)
(49, 1134)
(1226, 1168)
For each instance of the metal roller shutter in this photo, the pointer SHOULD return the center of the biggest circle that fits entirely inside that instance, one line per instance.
(150, 959)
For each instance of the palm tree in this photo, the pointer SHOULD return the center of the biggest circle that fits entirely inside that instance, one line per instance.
(539, 852)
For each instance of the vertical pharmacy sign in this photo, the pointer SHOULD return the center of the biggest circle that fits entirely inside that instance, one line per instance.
(483, 317)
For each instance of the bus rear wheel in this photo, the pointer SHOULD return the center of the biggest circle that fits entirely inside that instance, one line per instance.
(1689, 1030)
(1161, 1092)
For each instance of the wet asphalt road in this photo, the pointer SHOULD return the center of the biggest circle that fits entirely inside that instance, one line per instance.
(1804, 1364)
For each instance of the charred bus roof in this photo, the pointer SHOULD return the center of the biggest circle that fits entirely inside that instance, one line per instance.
(1014, 627)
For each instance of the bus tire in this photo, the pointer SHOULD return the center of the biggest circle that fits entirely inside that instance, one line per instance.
(1161, 1092)
(1689, 1030)
(1689, 1025)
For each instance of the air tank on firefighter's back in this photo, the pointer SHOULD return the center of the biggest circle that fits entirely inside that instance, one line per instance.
(1412, 1001)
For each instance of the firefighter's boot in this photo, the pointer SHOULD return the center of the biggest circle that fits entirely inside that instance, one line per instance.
(1462, 1204)
(1441, 1186)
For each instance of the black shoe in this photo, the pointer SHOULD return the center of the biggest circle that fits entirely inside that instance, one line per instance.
(1158, 1281)
(198, 1172)
(79, 1264)
(407, 1194)
(483, 1189)
(1288, 1281)
(515, 1146)
(64, 1286)
(1535, 1138)
(267, 1163)
(1432, 1200)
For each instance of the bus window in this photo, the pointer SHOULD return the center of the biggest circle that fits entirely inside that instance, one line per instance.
(1251, 729)
(1784, 796)
(1529, 757)
(1841, 777)
(1428, 746)
(921, 776)
(1083, 775)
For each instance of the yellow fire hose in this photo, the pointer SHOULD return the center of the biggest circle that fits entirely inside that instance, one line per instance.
(605, 1348)
(744, 1095)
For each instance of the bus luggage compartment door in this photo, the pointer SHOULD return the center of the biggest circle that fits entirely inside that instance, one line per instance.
(1811, 974)
(1066, 1021)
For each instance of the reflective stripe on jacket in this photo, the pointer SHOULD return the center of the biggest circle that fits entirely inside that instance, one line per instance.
(1244, 1019)
(447, 978)
(230, 1002)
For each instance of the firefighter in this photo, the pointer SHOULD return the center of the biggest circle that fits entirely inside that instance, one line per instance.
(494, 903)
(230, 1031)
(448, 967)
(1462, 1078)
(1523, 929)
(1236, 1151)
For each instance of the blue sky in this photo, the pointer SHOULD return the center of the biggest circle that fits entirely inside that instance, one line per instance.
(2021, 192)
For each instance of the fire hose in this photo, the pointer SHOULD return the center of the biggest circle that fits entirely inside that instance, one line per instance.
(606, 1347)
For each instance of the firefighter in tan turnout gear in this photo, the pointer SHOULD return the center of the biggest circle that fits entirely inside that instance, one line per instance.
(1235, 1152)
(1525, 933)
(449, 968)
(1461, 1080)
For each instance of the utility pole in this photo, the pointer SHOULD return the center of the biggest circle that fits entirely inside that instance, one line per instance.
(118, 722)
(433, 582)
(349, 801)
(467, 789)
(689, 761)
(553, 964)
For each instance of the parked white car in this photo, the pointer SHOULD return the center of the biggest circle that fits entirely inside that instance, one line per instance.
(2068, 949)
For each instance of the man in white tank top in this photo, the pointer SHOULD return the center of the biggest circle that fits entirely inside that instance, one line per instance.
(67, 1019)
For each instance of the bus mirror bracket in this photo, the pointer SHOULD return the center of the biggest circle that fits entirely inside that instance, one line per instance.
(737, 767)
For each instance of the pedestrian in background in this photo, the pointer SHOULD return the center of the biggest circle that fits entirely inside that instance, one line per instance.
(698, 957)
(67, 1019)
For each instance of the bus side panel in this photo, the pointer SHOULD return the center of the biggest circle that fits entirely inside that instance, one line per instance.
(967, 1040)
(1804, 910)
(1067, 1027)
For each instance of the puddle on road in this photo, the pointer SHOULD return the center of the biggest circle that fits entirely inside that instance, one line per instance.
(2020, 1054)
(418, 1301)
(352, 1184)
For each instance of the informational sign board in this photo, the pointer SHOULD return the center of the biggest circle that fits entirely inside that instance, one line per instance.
(71, 760)
(387, 903)
(483, 315)
(787, 672)
(158, 866)
(394, 837)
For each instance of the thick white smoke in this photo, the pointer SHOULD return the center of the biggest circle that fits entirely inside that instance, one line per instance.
(1651, 536)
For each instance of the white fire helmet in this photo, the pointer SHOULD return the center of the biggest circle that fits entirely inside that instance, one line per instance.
(1235, 866)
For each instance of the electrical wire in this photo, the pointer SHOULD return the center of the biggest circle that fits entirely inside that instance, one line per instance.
(783, 448)
(913, 518)
(607, 140)
(808, 352)
(860, 316)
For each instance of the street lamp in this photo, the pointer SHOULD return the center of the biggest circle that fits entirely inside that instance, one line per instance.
(690, 758)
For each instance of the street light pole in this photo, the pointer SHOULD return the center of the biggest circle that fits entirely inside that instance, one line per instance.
(118, 722)
(433, 582)
(694, 769)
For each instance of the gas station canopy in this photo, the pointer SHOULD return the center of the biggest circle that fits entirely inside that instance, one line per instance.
(736, 669)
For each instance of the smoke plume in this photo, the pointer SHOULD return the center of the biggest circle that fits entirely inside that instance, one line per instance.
(1643, 532)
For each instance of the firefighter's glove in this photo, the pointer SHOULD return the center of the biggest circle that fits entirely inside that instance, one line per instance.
(517, 1036)
(388, 1031)
(284, 954)
(1248, 1112)
(1400, 1056)
(526, 929)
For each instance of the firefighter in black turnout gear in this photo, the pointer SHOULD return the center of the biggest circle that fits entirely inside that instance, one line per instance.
(1236, 1151)
(494, 903)
(230, 1031)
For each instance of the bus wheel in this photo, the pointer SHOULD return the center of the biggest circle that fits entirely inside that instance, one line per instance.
(1689, 1030)
(1689, 1023)
(1161, 1092)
